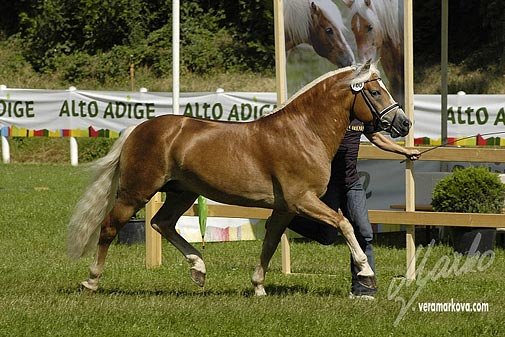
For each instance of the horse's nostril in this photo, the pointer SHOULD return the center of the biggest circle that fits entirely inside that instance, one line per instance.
(406, 123)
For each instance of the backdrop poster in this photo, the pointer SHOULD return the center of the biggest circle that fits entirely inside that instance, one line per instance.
(324, 35)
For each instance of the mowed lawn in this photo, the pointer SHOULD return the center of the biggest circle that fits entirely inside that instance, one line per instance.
(40, 295)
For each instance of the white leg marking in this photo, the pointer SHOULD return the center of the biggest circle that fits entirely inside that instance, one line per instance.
(197, 269)
(357, 253)
(196, 263)
(257, 279)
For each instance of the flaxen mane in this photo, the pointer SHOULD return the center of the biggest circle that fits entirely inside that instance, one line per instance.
(297, 18)
(362, 77)
(384, 17)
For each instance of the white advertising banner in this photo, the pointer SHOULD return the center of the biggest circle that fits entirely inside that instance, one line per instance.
(81, 109)
(467, 115)
(114, 111)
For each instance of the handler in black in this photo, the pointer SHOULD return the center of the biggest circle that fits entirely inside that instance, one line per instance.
(346, 192)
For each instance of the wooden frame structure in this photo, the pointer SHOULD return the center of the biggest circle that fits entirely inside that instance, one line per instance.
(409, 216)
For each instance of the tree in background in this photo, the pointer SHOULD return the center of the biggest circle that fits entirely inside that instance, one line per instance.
(9, 20)
(493, 14)
(85, 38)
(475, 27)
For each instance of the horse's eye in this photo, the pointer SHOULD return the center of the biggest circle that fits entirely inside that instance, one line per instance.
(375, 93)
(329, 30)
(369, 28)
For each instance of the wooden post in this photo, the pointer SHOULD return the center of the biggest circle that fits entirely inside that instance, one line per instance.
(175, 56)
(280, 81)
(132, 74)
(443, 68)
(153, 238)
(6, 153)
(410, 199)
(443, 76)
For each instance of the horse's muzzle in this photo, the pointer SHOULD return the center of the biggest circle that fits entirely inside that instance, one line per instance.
(400, 125)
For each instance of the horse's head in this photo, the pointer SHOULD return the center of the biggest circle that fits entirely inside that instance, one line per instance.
(372, 102)
(367, 28)
(326, 34)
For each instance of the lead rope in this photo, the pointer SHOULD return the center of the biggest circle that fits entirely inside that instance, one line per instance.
(457, 140)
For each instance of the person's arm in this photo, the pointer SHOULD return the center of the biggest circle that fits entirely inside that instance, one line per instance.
(386, 144)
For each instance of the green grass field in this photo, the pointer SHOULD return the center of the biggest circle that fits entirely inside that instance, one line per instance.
(40, 296)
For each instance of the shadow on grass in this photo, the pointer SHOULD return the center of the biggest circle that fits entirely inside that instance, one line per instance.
(300, 289)
(272, 290)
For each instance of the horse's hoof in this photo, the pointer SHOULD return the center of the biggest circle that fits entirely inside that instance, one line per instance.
(198, 277)
(259, 291)
(86, 285)
(369, 282)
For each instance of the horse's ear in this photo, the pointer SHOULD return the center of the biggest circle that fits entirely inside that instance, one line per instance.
(366, 67)
(348, 3)
(313, 7)
(362, 69)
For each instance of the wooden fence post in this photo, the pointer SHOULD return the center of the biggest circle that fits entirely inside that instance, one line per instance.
(410, 199)
(280, 80)
(153, 238)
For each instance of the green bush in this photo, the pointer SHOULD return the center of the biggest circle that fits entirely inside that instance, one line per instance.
(469, 190)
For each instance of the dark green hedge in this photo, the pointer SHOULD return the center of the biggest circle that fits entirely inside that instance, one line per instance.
(95, 38)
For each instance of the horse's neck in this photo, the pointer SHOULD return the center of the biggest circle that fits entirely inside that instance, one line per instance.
(391, 55)
(325, 115)
(392, 63)
(297, 21)
(289, 43)
(293, 40)
(390, 20)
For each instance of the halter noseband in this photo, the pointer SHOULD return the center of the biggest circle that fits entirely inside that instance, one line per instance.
(380, 122)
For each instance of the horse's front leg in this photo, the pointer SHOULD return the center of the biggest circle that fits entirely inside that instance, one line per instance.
(312, 207)
(275, 226)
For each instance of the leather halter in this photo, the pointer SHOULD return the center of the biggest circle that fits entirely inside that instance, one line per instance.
(380, 123)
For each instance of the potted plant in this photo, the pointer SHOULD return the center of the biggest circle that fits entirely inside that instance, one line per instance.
(133, 231)
(470, 190)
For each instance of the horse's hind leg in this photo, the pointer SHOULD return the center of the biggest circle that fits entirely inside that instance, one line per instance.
(164, 222)
(275, 226)
(114, 221)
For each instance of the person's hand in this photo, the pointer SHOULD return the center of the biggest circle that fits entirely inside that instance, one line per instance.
(412, 154)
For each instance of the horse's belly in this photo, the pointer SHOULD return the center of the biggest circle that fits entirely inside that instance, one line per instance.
(229, 189)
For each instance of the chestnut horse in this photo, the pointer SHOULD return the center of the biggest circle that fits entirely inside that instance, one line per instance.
(319, 24)
(378, 28)
(287, 171)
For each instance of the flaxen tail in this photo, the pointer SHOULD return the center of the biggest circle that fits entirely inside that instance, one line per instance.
(96, 202)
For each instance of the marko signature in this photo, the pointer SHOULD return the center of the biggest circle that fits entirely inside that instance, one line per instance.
(443, 268)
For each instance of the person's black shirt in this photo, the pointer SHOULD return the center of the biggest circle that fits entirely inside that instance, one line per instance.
(344, 166)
